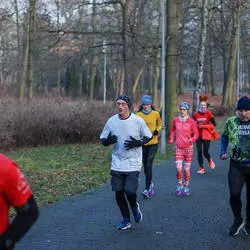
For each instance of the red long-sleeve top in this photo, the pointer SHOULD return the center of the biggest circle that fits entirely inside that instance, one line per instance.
(185, 132)
(204, 124)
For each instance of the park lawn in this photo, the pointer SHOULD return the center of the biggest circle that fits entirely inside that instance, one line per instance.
(57, 172)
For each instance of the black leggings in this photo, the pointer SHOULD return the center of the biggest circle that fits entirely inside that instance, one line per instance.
(236, 178)
(121, 199)
(149, 153)
(205, 143)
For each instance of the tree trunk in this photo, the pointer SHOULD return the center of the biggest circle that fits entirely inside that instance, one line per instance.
(229, 98)
(59, 69)
(58, 51)
(124, 45)
(122, 82)
(32, 12)
(93, 57)
(202, 52)
(225, 64)
(156, 99)
(18, 43)
(212, 72)
(150, 69)
(183, 21)
(180, 78)
(92, 80)
(171, 62)
(136, 83)
(23, 73)
(246, 59)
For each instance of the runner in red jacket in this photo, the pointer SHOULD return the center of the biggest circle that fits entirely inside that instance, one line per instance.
(15, 192)
(206, 125)
(186, 133)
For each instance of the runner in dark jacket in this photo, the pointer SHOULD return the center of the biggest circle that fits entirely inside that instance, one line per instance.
(237, 136)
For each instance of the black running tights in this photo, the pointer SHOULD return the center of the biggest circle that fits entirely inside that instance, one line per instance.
(149, 153)
(205, 145)
(236, 180)
(121, 199)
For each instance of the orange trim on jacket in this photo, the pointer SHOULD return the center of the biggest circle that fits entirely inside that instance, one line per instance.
(207, 131)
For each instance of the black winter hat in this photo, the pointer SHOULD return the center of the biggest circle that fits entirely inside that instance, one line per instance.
(126, 99)
(243, 103)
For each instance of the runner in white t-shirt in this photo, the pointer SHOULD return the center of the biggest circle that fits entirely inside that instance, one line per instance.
(128, 133)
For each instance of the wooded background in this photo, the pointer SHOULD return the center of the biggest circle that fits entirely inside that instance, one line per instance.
(58, 48)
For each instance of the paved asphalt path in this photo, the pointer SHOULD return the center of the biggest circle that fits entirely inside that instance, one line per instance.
(200, 221)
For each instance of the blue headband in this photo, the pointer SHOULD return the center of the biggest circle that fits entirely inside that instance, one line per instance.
(146, 99)
(185, 105)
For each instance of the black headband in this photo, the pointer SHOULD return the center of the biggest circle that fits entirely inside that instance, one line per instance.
(125, 98)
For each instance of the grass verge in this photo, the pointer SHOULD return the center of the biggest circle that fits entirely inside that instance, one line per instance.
(57, 172)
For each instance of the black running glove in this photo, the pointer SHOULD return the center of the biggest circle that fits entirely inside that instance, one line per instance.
(5, 244)
(132, 143)
(111, 139)
(155, 132)
(2, 244)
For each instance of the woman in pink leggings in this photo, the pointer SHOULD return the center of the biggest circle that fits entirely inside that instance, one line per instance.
(185, 131)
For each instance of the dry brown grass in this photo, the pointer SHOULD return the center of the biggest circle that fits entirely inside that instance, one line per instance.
(50, 122)
(59, 121)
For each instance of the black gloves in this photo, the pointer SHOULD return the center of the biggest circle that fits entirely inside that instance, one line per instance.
(133, 143)
(2, 244)
(5, 244)
(155, 132)
(109, 140)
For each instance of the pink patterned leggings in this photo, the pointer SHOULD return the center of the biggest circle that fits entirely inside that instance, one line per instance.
(186, 155)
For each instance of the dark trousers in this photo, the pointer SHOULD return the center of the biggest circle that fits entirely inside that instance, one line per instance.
(237, 177)
(148, 155)
(121, 199)
(202, 147)
(125, 185)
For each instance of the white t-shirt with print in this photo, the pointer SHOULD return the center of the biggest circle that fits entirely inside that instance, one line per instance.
(126, 160)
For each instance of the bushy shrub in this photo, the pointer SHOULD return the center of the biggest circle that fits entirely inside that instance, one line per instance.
(48, 122)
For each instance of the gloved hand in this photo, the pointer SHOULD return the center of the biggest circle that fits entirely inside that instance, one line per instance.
(155, 132)
(2, 244)
(133, 143)
(109, 140)
(6, 244)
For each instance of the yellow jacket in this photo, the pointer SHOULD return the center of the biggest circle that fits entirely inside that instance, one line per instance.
(153, 121)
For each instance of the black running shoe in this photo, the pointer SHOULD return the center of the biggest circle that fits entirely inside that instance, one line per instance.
(236, 227)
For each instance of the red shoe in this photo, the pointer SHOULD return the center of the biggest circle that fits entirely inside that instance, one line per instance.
(211, 164)
(201, 171)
